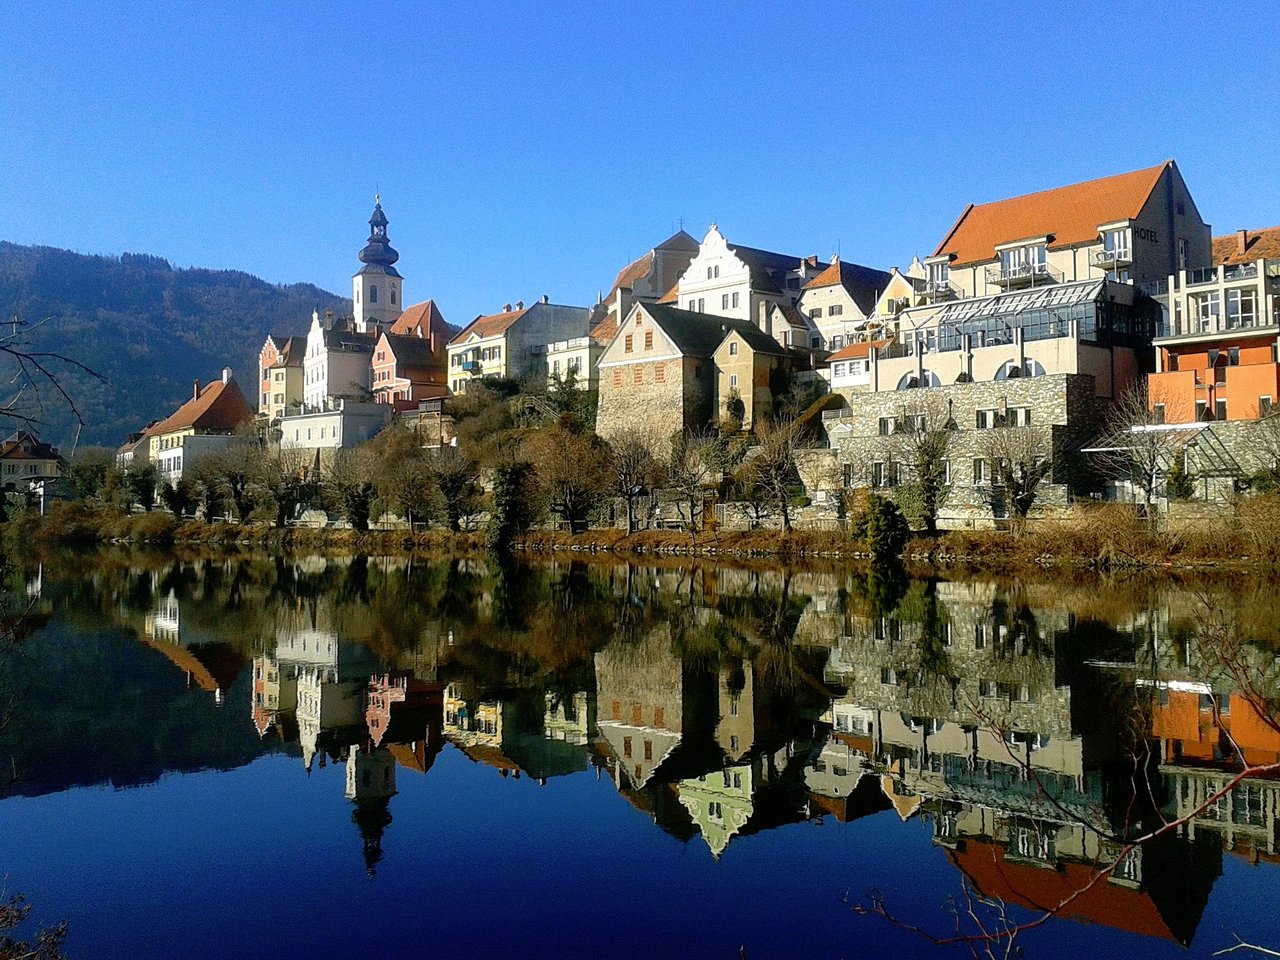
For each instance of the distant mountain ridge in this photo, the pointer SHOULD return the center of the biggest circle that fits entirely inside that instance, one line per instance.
(148, 327)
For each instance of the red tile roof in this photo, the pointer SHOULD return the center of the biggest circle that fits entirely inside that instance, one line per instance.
(219, 406)
(863, 283)
(856, 351)
(490, 326)
(1036, 888)
(1259, 245)
(427, 316)
(672, 295)
(1070, 214)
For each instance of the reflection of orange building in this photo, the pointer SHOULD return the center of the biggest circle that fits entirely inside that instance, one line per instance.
(1184, 720)
(1218, 360)
(1167, 906)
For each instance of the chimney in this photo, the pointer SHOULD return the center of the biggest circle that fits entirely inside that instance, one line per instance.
(195, 389)
(506, 308)
(226, 374)
(546, 299)
(1242, 241)
(519, 304)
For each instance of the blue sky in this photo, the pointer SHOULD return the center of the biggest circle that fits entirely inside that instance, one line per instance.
(524, 149)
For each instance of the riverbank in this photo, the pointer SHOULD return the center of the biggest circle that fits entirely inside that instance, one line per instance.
(1094, 537)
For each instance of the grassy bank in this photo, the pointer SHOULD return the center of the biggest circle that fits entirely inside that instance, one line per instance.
(1098, 537)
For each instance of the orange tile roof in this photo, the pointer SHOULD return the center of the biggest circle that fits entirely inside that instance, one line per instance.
(632, 272)
(672, 295)
(1071, 214)
(219, 406)
(490, 326)
(856, 351)
(1259, 245)
(425, 315)
(1036, 888)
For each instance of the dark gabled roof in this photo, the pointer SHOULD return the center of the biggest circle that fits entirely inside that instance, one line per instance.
(756, 339)
(343, 336)
(698, 334)
(411, 351)
(25, 446)
(864, 284)
(766, 266)
(291, 351)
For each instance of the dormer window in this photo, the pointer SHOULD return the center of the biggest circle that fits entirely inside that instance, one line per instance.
(939, 274)
(1028, 260)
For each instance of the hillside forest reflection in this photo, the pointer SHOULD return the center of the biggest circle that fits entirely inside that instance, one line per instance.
(1088, 752)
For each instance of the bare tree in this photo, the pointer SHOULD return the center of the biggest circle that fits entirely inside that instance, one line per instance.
(31, 376)
(1136, 446)
(922, 439)
(689, 473)
(1021, 459)
(633, 468)
(770, 468)
(456, 476)
(288, 478)
(350, 485)
(572, 471)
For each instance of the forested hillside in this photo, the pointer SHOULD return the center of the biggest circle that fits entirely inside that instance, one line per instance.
(148, 328)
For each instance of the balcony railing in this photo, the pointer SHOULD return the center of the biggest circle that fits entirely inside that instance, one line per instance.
(1230, 271)
(1022, 275)
(471, 366)
(938, 290)
(1110, 259)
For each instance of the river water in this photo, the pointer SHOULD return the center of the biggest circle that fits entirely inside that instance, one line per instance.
(276, 757)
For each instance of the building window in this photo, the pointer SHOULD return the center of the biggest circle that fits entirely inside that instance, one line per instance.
(835, 310)
(815, 342)
(1242, 308)
(1264, 406)
(1208, 307)
(1182, 249)
(708, 273)
(724, 301)
(393, 294)
(838, 370)
(702, 305)
(617, 376)
(1157, 413)
(1202, 410)
(877, 474)
(648, 339)
(815, 313)
(733, 349)
(979, 470)
(373, 293)
(1026, 261)
(733, 381)
(659, 373)
(986, 419)
(886, 426)
(637, 373)
(1116, 243)
(734, 298)
(1220, 409)
(628, 343)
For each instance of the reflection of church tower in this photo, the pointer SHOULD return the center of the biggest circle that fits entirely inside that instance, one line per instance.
(375, 289)
(371, 783)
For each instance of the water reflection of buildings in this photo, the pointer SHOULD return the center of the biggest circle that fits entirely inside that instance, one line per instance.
(209, 662)
(969, 714)
(531, 733)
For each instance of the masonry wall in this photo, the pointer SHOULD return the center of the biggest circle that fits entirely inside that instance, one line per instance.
(657, 398)
(1065, 405)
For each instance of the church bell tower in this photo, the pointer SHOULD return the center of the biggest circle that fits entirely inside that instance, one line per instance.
(376, 291)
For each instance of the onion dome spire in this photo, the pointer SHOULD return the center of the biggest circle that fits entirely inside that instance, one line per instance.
(378, 250)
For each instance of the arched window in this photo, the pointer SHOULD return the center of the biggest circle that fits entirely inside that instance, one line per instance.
(1010, 370)
(357, 294)
(393, 295)
(927, 378)
(373, 293)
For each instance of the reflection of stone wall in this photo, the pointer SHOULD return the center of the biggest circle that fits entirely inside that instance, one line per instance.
(988, 655)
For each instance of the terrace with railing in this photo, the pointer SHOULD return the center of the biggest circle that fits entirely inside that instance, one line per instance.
(1022, 275)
